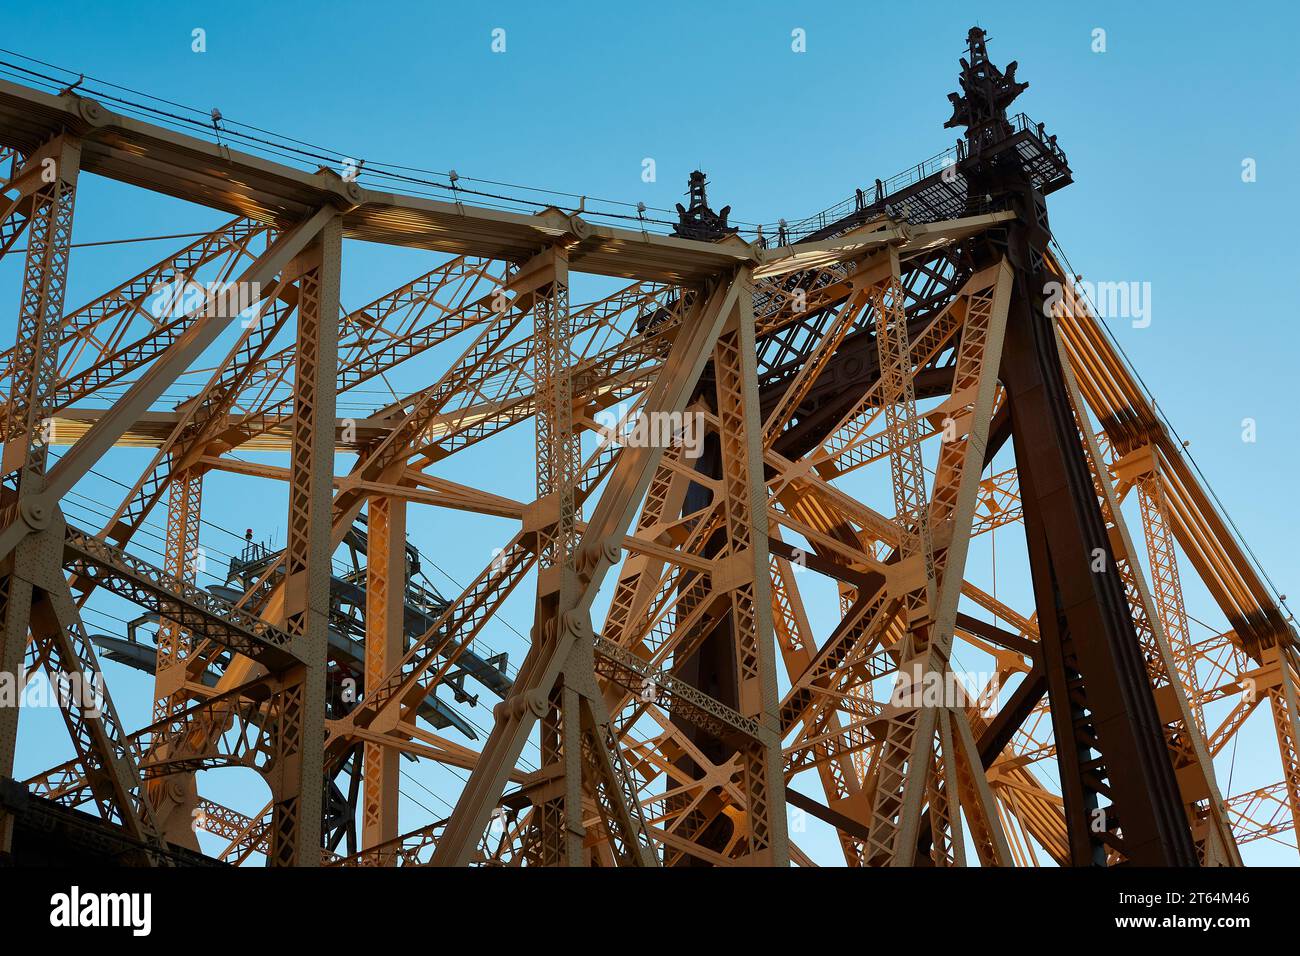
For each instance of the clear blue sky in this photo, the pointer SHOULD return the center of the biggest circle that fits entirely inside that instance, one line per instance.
(1156, 129)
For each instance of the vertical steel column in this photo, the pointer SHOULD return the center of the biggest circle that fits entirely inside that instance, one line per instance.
(27, 433)
(385, 588)
(908, 735)
(559, 461)
(300, 705)
(181, 560)
(744, 572)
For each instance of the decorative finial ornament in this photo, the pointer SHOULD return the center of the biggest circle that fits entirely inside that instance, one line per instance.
(699, 221)
(986, 92)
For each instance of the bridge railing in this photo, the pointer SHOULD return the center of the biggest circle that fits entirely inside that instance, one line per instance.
(882, 190)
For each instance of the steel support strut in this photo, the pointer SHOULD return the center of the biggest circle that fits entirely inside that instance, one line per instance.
(385, 592)
(50, 180)
(297, 787)
(1102, 708)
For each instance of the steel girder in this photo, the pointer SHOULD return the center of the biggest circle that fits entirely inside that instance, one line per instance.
(672, 728)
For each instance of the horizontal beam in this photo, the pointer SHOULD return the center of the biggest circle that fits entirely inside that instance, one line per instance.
(171, 163)
(165, 161)
(907, 239)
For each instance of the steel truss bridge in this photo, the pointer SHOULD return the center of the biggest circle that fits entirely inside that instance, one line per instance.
(906, 335)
